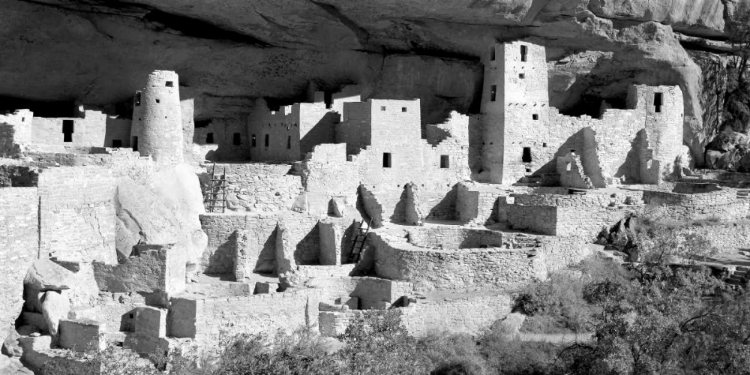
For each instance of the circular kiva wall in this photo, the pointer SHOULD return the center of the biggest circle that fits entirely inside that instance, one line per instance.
(447, 237)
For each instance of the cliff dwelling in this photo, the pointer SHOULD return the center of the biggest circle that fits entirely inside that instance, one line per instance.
(156, 220)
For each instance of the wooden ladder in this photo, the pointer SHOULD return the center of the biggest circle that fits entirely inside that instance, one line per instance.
(360, 235)
(215, 197)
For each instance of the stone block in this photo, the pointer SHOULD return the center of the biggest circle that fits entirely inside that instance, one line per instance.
(265, 288)
(55, 306)
(151, 322)
(81, 335)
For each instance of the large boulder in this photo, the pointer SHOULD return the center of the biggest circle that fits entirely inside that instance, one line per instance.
(45, 274)
(164, 210)
(55, 306)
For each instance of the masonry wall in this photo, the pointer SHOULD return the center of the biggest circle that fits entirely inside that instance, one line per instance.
(19, 246)
(94, 129)
(77, 214)
(282, 128)
(209, 319)
(453, 238)
(15, 131)
(372, 292)
(151, 268)
(478, 202)
(356, 131)
(723, 205)
(428, 269)
(317, 126)
(471, 314)
(222, 231)
(255, 187)
(223, 131)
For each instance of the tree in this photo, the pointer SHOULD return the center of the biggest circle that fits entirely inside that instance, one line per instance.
(737, 99)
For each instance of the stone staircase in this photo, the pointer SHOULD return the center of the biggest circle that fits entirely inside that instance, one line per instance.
(739, 276)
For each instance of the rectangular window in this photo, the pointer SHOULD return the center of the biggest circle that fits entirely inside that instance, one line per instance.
(67, 130)
(382, 108)
(137, 98)
(493, 93)
(386, 160)
(236, 140)
(289, 142)
(523, 53)
(535, 116)
(658, 101)
(403, 109)
(116, 143)
(492, 54)
(526, 157)
(134, 143)
(444, 161)
(268, 140)
(328, 98)
(521, 76)
(170, 84)
(158, 101)
(253, 141)
(209, 138)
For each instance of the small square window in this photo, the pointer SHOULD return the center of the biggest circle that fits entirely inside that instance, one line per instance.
(209, 138)
(170, 84)
(544, 144)
(535, 116)
(236, 139)
(386, 160)
(403, 109)
(382, 108)
(444, 161)
(116, 143)
(521, 75)
(158, 101)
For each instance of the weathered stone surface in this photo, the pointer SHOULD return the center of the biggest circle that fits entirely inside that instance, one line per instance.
(10, 345)
(81, 335)
(45, 274)
(164, 211)
(55, 306)
(13, 366)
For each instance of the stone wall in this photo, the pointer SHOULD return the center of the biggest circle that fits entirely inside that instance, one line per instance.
(478, 202)
(19, 247)
(229, 139)
(454, 237)
(94, 129)
(77, 214)
(149, 269)
(720, 205)
(208, 319)
(372, 292)
(472, 314)
(15, 132)
(255, 187)
(428, 269)
(223, 230)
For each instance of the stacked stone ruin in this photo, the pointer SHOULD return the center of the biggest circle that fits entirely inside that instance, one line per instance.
(105, 240)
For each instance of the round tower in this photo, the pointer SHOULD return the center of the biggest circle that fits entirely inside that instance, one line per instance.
(157, 119)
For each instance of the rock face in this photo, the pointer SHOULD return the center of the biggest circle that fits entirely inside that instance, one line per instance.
(55, 306)
(163, 211)
(96, 51)
(46, 275)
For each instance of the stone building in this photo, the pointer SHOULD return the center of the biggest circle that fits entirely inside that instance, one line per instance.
(157, 119)
(523, 135)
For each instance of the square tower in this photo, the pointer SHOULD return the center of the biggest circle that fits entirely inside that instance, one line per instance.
(515, 107)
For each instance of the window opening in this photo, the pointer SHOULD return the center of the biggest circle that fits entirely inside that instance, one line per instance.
(328, 98)
(137, 98)
(521, 75)
(134, 143)
(252, 141)
(403, 109)
(658, 101)
(289, 142)
(210, 138)
(535, 116)
(236, 140)
(493, 93)
(444, 161)
(382, 108)
(158, 101)
(116, 143)
(568, 167)
(492, 54)
(170, 84)
(268, 140)
(523, 53)
(67, 130)
(386, 160)
(526, 158)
